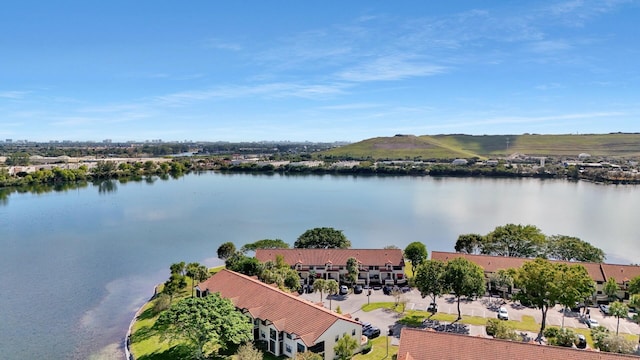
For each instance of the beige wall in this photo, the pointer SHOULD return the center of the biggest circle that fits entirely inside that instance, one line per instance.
(340, 328)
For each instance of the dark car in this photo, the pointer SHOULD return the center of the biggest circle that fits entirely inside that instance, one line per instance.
(386, 290)
(371, 332)
(357, 289)
(432, 308)
(581, 343)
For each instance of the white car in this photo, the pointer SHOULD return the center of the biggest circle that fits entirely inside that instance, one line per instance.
(591, 322)
(344, 290)
(503, 314)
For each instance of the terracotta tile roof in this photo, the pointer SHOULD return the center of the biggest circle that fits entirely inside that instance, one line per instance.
(375, 257)
(494, 263)
(621, 273)
(418, 344)
(287, 312)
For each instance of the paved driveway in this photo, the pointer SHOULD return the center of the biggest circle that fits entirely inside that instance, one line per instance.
(484, 307)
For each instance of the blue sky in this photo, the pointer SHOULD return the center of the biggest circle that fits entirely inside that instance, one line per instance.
(316, 71)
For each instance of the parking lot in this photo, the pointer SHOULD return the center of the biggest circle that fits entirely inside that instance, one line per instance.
(483, 307)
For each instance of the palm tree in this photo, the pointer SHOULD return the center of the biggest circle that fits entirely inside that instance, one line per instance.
(319, 285)
(618, 309)
(331, 287)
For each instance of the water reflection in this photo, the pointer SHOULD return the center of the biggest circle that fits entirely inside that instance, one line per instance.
(106, 186)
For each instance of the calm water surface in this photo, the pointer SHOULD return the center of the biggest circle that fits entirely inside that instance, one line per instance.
(75, 265)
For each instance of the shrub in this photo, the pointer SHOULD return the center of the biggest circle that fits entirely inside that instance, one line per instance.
(367, 348)
(560, 337)
(500, 329)
(162, 303)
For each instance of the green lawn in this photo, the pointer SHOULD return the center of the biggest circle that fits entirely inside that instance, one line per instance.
(379, 350)
(145, 340)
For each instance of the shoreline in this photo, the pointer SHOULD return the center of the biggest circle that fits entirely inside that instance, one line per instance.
(127, 339)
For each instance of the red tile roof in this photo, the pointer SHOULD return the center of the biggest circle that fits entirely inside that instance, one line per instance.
(287, 312)
(367, 257)
(621, 273)
(418, 344)
(494, 263)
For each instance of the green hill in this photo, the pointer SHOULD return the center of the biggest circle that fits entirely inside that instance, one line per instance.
(487, 146)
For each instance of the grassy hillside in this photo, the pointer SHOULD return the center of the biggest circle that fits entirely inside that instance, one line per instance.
(486, 146)
(401, 147)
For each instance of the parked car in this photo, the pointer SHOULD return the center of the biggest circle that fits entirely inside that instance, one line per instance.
(344, 290)
(371, 332)
(577, 307)
(503, 314)
(386, 290)
(591, 322)
(604, 309)
(581, 343)
(432, 308)
(357, 289)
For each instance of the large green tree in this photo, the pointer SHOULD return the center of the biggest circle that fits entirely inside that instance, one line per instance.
(634, 286)
(322, 238)
(226, 250)
(429, 279)
(352, 271)
(416, 252)
(265, 244)
(345, 347)
(249, 266)
(514, 240)
(206, 324)
(611, 288)
(469, 243)
(571, 248)
(464, 278)
(544, 284)
(575, 284)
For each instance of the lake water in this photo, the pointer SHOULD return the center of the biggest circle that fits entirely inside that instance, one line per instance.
(75, 265)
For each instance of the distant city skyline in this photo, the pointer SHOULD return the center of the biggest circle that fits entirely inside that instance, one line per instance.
(316, 71)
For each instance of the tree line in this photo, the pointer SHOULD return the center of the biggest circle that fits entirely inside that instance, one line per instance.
(529, 242)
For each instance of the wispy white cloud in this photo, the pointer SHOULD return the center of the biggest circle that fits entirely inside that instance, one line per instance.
(549, 86)
(390, 68)
(548, 46)
(13, 95)
(354, 106)
(269, 90)
(215, 43)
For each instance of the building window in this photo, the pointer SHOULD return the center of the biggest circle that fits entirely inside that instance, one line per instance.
(337, 338)
(353, 332)
(262, 334)
(288, 336)
(287, 348)
(300, 348)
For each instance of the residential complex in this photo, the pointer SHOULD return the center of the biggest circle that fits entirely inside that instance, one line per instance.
(599, 272)
(375, 266)
(286, 323)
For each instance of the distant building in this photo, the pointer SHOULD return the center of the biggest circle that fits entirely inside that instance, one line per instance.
(459, 162)
(583, 156)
